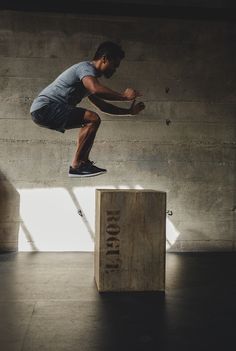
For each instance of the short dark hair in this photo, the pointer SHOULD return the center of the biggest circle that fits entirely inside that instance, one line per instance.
(110, 50)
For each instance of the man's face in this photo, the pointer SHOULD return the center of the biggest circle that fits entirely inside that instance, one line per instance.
(110, 66)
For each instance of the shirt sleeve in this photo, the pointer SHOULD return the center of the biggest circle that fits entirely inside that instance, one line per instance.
(85, 69)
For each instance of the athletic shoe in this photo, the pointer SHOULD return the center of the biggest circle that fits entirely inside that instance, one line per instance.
(86, 170)
(93, 164)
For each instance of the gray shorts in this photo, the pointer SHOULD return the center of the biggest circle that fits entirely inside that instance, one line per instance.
(59, 116)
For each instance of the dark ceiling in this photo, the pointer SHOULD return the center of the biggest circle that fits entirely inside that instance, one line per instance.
(208, 9)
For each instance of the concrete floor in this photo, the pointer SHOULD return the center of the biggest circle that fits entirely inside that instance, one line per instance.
(48, 301)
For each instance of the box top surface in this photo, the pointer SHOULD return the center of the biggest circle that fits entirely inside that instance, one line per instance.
(130, 190)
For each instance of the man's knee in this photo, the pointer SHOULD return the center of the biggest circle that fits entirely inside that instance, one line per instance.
(93, 117)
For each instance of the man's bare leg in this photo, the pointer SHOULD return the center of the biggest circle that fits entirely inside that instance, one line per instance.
(86, 138)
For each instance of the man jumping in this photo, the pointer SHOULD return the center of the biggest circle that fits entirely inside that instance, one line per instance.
(55, 107)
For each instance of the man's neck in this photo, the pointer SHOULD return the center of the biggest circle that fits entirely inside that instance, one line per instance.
(97, 64)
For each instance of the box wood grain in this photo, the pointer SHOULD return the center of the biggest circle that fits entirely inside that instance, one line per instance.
(130, 233)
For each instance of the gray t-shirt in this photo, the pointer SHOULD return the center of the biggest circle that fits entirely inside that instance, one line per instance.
(67, 88)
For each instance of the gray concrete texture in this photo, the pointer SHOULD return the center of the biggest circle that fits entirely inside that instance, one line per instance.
(48, 301)
(183, 143)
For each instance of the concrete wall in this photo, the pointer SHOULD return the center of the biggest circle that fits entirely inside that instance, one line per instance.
(183, 143)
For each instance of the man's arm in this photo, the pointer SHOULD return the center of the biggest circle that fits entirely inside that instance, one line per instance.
(115, 110)
(93, 85)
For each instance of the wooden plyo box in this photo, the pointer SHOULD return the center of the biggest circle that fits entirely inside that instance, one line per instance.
(130, 240)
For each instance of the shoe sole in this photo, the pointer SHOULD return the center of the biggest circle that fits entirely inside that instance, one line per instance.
(85, 175)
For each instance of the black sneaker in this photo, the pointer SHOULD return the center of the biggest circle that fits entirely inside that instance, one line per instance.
(86, 170)
(93, 164)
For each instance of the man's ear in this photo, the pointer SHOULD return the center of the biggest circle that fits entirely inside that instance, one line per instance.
(104, 59)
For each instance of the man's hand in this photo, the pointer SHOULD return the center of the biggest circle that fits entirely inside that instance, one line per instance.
(136, 107)
(131, 94)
